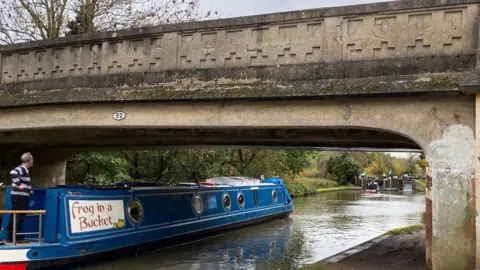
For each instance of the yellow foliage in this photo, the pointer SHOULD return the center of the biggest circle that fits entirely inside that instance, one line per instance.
(423, 163)
(304, 173)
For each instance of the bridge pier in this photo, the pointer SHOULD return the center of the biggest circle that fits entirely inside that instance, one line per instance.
(453, 199)
(428, 218)
(477, 174)
(49, 166)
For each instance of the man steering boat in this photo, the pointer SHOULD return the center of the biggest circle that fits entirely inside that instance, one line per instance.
(20, 196)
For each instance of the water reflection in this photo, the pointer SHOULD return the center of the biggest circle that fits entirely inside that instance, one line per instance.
(335, 222)
(320, 227)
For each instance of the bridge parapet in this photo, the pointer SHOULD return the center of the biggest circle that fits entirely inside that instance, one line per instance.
(364, 32)
(405, 46)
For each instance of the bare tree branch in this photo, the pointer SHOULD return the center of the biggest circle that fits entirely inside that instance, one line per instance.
(26, 20)
(106, 15)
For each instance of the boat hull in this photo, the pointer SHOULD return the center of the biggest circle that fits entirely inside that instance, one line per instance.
(89, 222)
(134, 250)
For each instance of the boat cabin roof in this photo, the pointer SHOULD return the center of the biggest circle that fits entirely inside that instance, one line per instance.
(236, 181)
(223, 181)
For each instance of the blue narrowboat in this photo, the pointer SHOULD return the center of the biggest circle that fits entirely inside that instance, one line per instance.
(68, 225)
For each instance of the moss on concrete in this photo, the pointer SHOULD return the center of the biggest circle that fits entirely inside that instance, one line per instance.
(405, 230)
(440, 82)
(232, 89)
(312, 267)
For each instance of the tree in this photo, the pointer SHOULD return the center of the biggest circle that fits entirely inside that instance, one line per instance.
(400, 167)
(422, 162)
(104, 15)
(377, 167)
(184, 165)
(27, 20)
(85, 13)
(296, 161)
(388, 160)
(322, 163)
(97, 168)
(361, 158)
(155, 166)
(416, 164)
(342, 169)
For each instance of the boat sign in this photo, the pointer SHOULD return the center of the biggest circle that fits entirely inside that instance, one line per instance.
(119, 116)
(89, 215)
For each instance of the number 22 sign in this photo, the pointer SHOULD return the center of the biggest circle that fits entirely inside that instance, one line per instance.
(119, 116)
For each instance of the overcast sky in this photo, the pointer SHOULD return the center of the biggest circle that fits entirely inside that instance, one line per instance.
(231, 8)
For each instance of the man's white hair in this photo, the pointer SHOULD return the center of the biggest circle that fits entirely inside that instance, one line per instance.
(26, 157)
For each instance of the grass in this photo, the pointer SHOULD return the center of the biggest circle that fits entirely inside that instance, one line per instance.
(303, 186)
(421, 185)
(315, 267)
(405, 230)
(338, 188)
(423, 181)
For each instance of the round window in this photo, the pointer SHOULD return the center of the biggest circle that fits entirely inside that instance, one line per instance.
(241, 200)
(227, 202)
(135, 211)
(274, 196)
(198, 204)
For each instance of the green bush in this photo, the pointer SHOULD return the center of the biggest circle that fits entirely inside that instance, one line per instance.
(342, 169)
(303, 186)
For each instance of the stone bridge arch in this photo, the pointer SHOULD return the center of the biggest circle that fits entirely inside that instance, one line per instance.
(421, 119)
(441, 126)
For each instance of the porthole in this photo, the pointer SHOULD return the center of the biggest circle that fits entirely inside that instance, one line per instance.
(274, 196)
(227, 202)
(241, 200)
(135, 211)
(198, 204)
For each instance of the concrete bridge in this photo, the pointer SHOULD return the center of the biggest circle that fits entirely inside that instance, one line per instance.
(400, 75)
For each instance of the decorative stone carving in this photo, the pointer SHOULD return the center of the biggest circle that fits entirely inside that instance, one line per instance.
(396, 34)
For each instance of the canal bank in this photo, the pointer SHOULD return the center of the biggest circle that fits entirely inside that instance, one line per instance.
(402, 248)
(341, 188)
(308, 186)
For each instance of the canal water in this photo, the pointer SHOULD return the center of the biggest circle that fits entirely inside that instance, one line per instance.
(320, 226)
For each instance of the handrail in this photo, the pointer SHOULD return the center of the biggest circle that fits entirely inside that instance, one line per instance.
(33, 212)
(40, 214)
